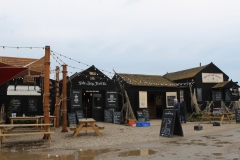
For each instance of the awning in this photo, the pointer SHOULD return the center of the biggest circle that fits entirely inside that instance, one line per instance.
(8, 72)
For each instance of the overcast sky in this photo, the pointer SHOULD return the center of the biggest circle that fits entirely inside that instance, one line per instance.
(131, 36)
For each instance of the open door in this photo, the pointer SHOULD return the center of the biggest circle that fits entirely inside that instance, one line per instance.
(97, 107)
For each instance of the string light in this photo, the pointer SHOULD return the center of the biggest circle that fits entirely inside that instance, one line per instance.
(21, 47)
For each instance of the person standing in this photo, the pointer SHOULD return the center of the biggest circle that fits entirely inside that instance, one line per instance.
(176, 105)
(183, 111)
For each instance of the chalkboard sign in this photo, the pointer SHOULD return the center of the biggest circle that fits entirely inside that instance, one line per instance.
(79, 114)
(170, 124)
(32, 104)
(76, 98)
(237, 115)
(170, 100)
(140, 114)
(216, 95)
(116, 117)
(146, 114)
(227, 95)
(72, 119)
(16, 104)
(108, 115)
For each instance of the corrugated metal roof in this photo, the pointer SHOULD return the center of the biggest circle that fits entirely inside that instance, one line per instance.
(147, 80)
(184, 74)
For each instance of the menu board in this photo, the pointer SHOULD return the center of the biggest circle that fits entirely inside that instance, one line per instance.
(227, 95)
(117, 117)
(170, 124)
(32, 104)
(146, 114)
(140, 114)
(79, 114)
(76, 98)
(111, 99)
(16, 104)
(216, 95)
(237, 115)
(108, 115)
(170, 100)
(72, 119)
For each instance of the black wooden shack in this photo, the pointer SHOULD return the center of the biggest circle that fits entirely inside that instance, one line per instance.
(91, 91)
(152, 92)
(209, 82)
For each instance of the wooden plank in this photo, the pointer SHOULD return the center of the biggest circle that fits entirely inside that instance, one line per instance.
(23, 125)
(24, 134)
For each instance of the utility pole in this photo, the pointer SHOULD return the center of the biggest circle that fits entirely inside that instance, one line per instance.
(64, 99)
(57, 102)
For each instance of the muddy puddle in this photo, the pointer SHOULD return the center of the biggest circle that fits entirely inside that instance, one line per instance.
(141, 152)
(20, 154)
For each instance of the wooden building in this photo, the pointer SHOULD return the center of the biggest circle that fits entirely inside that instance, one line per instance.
(23, 88)
(152, 92)
(91, 91)
(209, 82)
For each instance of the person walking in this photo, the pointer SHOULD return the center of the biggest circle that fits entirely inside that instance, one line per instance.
(176, 105)
(183, 111)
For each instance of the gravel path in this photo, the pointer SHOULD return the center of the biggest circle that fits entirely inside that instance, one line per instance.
(114, 136)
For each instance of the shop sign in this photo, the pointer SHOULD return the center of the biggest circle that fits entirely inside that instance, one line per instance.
(88, 83)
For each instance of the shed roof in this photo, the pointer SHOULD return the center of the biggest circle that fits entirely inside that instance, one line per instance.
(184, 74)
(221, 84)
(147, 80)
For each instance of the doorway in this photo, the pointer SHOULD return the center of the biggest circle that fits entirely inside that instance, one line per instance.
(156, 104)
(97, 107)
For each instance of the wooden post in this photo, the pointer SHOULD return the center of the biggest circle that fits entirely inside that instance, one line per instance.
(46, 93)
(64, 93)
(57, 103)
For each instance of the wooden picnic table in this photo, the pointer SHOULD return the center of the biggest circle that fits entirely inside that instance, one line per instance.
(221, 116)
(12, 119)
(54, 118)
(85, 125)
(29, 129)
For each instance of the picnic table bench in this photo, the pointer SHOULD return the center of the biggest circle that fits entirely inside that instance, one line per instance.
(12, 119)
(85, 125)
(220, 116)
(25, 130)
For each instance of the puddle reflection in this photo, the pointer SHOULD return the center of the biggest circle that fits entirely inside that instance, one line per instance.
(145, 152)
(19, 154)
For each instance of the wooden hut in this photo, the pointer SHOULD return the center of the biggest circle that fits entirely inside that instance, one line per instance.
(209, 83)
(152, 92)
(93, 92)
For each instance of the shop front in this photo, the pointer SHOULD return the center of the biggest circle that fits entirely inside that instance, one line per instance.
(92, 92)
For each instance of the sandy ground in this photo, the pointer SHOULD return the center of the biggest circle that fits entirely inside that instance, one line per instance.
(116, 142)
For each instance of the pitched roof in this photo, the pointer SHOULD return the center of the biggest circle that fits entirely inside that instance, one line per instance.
(184, 74)
(221, 84)
(147, 80)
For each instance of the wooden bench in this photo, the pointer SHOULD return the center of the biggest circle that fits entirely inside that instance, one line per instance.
(32, 129)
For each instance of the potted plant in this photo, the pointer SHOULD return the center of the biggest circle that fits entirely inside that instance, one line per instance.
(131, 121)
